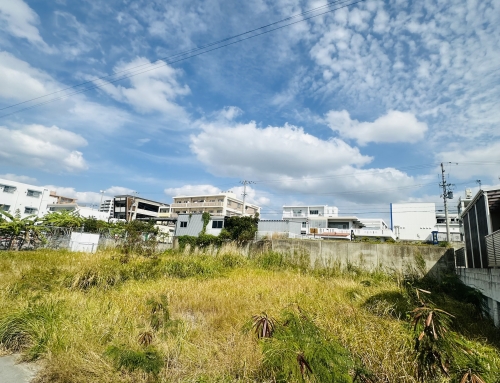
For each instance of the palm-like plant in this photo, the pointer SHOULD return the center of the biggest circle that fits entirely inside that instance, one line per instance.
(263, 325)
(18, 231)
(431, 324)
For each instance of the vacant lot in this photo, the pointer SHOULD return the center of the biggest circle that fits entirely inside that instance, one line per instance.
(197, 318)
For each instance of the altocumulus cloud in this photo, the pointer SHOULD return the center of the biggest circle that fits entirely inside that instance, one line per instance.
(49, 148)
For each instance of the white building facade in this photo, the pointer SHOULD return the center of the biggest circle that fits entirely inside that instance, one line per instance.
(224, 204)
(415, 221)
(323, 221)
(25, 198)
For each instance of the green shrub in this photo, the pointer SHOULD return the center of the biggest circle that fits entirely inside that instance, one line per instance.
(148, 360)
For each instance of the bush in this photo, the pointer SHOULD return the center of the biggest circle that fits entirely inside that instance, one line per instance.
(149, 360)
(300, 351)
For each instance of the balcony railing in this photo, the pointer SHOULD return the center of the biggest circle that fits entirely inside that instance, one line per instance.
(358, 232)
(197, 204)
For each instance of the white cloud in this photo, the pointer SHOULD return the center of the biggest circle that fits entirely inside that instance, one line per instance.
(154, 90)
(393, 127)
(118, 190)
(192, 190)
(89, 197)
(49, 148)
(438, 62)
(18, 19)
(288, 160)
(254, 196)
(17, 178)
(246, 150)
(481, 162)
(20, 81)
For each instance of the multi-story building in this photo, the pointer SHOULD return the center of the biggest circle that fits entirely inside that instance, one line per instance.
(323, 221)
(83, 211)
(221, 204)
(307, 213)
(107, 206)
(25, 198)
(130, 207)
(416, 221)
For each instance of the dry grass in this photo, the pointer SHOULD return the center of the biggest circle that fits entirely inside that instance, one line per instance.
(208, 337)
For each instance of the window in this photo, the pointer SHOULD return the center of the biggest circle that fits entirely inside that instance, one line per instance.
(8, 189)
(217, 224)
(314, 212)
(4, 207)
(304, 224)
(184, 224)
(30, 210)
(33, 193)
(164, 210)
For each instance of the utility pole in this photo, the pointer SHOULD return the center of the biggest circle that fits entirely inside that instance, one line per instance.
(446, 194)
(102, 195)
(245, 183)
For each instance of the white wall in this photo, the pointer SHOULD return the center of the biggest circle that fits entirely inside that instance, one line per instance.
(19, 199)
(416, 221)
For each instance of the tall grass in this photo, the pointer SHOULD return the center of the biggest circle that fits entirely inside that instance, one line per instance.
(183, 317)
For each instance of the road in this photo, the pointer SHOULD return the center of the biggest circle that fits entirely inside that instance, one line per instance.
(10, 372)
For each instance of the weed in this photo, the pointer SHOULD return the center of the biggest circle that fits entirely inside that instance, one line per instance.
(28, 330)
(298, 348)
(148, 360)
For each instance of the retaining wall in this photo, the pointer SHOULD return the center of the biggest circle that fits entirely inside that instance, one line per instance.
(488, 282)
(370, 256)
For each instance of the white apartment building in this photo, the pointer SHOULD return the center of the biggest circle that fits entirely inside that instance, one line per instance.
(416, 221)
(108, 206)
(323, 221)
(28, 199)
(83, 211)
(221, 204)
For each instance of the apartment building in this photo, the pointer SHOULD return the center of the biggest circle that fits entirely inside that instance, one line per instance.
(221, 204)
(25, 198)
(416, 221)
(129, 207)
(305, 214)
(323, 221)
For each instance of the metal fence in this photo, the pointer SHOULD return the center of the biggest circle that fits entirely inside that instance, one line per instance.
(493, 249)
(460, 258)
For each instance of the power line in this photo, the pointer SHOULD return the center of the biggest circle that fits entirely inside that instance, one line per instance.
(343, 3)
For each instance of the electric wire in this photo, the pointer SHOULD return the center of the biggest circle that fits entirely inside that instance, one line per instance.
(343, 4)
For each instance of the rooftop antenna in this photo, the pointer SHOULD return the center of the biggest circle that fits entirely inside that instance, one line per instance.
(479, 183)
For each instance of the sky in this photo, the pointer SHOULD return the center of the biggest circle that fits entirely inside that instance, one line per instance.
(354, 104)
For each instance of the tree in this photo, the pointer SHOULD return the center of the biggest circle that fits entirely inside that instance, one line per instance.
(240, 228)
(19, 231)
(63, 218)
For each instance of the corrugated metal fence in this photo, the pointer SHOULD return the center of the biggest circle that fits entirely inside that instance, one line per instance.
(493, 249)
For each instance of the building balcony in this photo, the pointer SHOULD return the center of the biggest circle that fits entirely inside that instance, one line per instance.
(196, 204)
(357, 232)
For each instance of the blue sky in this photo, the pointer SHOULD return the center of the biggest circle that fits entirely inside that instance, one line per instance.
(354, 108)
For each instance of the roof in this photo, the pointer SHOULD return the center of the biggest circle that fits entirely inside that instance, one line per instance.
(493, 195)
(141, 198)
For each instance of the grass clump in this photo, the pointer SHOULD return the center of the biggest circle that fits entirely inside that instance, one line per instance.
(148, 360)
(29, 330)
(298, 350)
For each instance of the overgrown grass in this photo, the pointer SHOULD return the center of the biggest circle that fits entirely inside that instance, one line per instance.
(183, 317)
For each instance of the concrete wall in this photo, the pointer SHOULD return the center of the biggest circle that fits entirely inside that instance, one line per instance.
(370, 256)
(488, 282)
(280, 226)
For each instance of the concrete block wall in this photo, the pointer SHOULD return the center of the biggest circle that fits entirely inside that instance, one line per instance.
(488, 282)
(370, 256)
